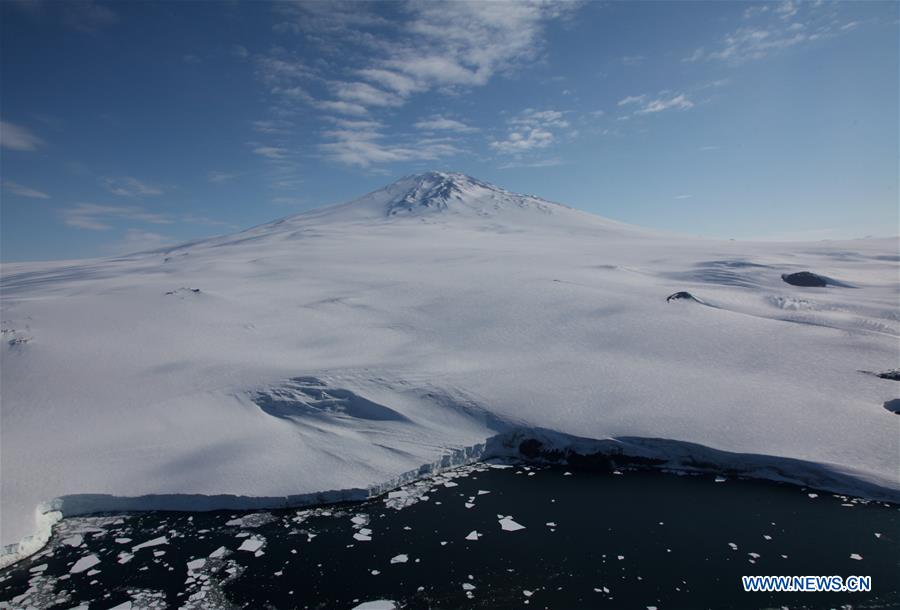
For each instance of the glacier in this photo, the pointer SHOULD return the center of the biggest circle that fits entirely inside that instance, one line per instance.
(441, 319)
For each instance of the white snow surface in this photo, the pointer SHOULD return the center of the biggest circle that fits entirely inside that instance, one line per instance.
(337, 349)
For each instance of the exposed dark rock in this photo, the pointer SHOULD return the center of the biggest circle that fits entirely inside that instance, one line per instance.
(804, 278)
(893, 375)
(893, 406)
(534, 450)
(680, 295)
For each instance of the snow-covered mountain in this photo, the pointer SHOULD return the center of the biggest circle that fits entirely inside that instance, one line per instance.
(341, 348)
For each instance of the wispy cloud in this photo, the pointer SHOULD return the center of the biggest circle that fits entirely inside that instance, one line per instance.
(367, 146)
(217, 177)
(440, 123)
(632, 60)
(666, 100)
(96, 217)
(683, 196)
(126, 186)
(136, 240)
(87, 15)
(447, 47)
(632, 99)
(16, 137)
(678, 101)
(531, 130)
(772, 28)
(270, 152)
(23, 191)
(274, 126)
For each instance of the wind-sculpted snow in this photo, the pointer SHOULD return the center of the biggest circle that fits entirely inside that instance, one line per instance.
(349, 346)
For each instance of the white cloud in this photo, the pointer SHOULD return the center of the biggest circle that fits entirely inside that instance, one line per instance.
(361, 144)
(239, 50)
(666, 101)
(192, 59)
(440, 123)
(552, 162)
(683, 196)
(343, 107)
(87, 15)
(787, 25)
(524, 141)
(448, 44)
(402, 85)
(16, 137)
(24, 191)
(632, 99)
(97, 217)
(127, 186)
(218, 177)
(632, 60)
(136, 240)
(678, 102)
(365, 94)
(271, 152)
(273, 126)
(531, 130)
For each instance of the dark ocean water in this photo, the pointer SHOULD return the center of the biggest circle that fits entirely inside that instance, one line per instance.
(630, 539)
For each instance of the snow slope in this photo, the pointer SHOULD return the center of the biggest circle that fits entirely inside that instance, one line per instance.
(337, 349)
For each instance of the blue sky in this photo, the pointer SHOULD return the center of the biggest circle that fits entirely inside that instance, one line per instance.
(129, 125)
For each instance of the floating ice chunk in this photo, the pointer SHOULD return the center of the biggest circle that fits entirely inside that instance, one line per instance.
(196, 564)
(378, 604)
(878, 534)
(149, 543)
(75, 540)
(856, 556)
(123, 540)
(551, 524)
(754, 555)
(400, 558)
(813, 495)
(122, 606)
(527, 593)
(507, 524)
(469, 504)
(473, 535)
(620, 557)
(125, 557)
(467, 586)
(733, 546)
(251, 544)
(39, 568)
(481, 492)
(363, 535)
(721, 479)
(451, 484)
(375, 572)
(87, 562)
(158, 553)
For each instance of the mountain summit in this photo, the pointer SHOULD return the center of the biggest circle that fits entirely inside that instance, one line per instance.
(432, 193)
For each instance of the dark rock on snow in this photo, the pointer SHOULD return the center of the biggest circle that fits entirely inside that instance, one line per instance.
(804, 278)
(680, 295)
